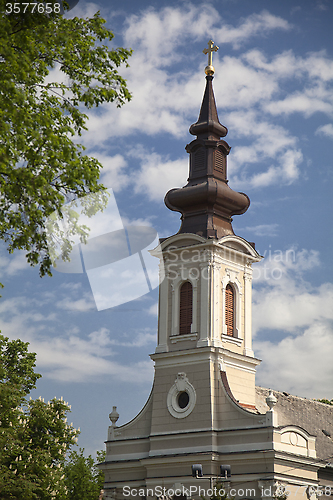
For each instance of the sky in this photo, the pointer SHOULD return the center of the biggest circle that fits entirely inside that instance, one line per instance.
(273, 89)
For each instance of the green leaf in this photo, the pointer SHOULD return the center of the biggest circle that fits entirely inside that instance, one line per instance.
(41, 167)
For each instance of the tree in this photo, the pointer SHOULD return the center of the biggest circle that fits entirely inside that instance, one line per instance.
(41, 166)
(82, 478)
(34, 435)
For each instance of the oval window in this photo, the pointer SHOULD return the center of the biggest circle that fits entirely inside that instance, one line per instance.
(183, 399)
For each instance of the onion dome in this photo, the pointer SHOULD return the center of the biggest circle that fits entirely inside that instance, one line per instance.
(207, 203)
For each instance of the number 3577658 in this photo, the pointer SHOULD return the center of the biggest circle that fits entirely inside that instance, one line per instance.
(41, 8)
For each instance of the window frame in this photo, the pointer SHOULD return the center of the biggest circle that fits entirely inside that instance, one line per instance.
(233, 281)
(175, 308)
(185, 308)
(230, 310)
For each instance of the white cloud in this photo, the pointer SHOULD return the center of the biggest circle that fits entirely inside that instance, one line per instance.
(297, 322)
(282, 65)
(253, 25)
(66, 354)
(153, 310)
(75, 359)
(314, 66)
(171, 96)
(11, 266)
(248, 80)
(21, 319)
(326, 130)
(315, 70)
(144, 31)
(113, 173)
(263, 229)
(300, 365)
(288, 311)
(14, 306)
(56, 75)
(141, 339)
(286, 172)
(81, 305)
(282, 299)
(157, 175)
(69, 356)
(242, 87)
(269, 147)
(73, 287)
(321, 6)
(83, 9)
(253, 90)
(182, 22)
(307, 102)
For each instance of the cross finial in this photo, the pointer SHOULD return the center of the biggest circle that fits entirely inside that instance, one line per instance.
(210, 70)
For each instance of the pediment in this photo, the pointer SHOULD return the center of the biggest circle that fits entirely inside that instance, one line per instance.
(182, 240)
(296, 440)
(239, 244)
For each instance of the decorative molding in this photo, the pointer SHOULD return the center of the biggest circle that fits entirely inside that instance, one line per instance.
(162, 348)
(247, 274)
(234, 340)
(181, 385)
(295, 440)
(179, 338)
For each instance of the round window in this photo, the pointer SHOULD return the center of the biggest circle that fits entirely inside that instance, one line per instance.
(183, 399)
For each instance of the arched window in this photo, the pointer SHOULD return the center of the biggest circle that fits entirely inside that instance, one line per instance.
(185, 319)
(230, 309)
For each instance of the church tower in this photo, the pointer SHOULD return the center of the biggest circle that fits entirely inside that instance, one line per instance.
(205, 298)
(202, 407)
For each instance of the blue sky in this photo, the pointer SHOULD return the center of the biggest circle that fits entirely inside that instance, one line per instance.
(273, 88)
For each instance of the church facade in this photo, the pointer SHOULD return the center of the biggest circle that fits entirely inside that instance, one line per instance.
(205, 421)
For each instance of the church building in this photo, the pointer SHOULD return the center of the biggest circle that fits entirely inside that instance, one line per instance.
(205, 421)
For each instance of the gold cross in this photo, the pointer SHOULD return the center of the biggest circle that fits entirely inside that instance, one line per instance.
(210, 70)
(212, 48)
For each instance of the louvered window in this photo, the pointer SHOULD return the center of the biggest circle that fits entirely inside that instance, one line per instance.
(229, 309)
(185, 320)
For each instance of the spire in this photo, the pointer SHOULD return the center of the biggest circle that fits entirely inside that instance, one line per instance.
(207, 203)
(208, 125)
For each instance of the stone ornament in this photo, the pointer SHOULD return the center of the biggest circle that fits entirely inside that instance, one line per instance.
(271, 400)
(181, 397)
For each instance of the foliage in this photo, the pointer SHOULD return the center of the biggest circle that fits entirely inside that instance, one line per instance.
(17, 375)
(41, 165)
(34, 436)
(82, 478)
(326, 401)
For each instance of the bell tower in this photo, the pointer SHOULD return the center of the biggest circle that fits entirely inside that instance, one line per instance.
(202, 405)
(205, 300)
